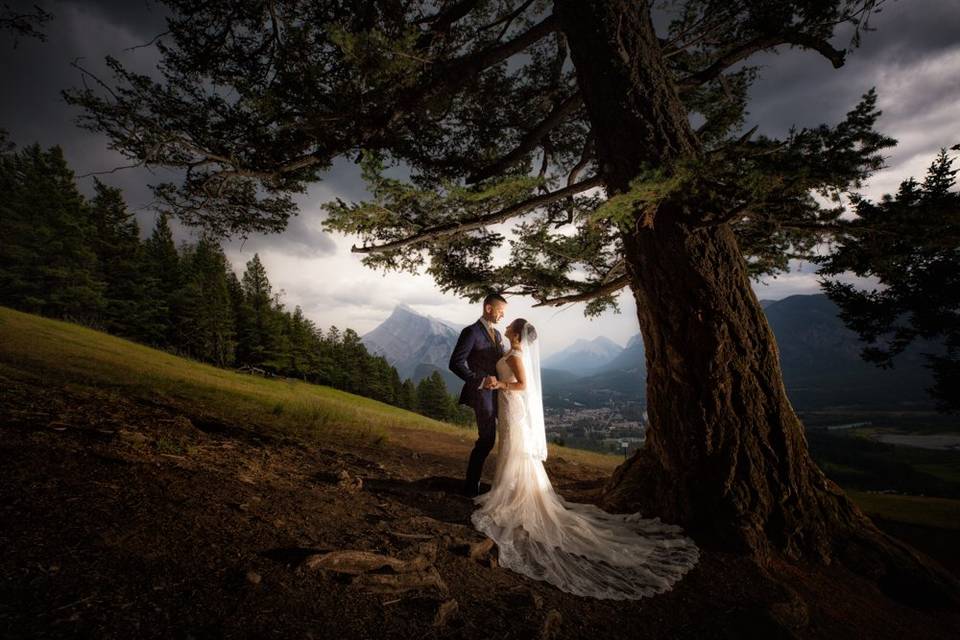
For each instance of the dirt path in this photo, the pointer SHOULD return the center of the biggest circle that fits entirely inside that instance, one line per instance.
(122, 518)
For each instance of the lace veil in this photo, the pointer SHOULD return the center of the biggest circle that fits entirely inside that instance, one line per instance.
(534, 440)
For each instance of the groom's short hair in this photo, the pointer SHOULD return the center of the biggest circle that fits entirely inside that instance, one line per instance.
(493, 296)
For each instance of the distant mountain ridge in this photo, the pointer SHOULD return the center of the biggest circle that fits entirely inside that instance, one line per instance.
(584, 356)
(819, 357)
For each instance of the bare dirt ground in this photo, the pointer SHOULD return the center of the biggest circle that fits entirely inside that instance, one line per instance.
(130, 518)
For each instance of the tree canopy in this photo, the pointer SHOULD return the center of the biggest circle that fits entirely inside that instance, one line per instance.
(481, 103)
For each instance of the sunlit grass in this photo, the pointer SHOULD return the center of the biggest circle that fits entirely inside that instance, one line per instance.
(66, 353)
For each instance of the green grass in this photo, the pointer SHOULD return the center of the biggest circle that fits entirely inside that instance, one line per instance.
(943, 513)
(67, 353)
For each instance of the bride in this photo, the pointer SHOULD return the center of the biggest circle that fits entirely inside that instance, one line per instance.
(577, 547)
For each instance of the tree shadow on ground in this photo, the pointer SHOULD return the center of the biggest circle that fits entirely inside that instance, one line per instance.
(438, 497)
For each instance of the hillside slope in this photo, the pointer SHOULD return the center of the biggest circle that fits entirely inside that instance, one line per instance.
(144, 495)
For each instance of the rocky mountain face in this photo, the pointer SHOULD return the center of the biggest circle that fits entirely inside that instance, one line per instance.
(413, 343)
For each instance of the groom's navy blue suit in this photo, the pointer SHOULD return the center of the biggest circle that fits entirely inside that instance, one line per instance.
(474, 358)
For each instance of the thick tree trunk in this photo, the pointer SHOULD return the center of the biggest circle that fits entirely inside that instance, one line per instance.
(726, 456)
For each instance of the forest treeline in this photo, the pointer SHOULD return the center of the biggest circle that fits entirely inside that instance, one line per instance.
(65, 256)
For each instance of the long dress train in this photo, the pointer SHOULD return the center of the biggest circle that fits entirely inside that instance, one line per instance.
(577, 547)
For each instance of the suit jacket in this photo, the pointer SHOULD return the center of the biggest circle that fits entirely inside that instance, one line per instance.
(474, 358)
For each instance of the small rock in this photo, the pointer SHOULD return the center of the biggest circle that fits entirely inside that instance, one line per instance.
(348, 482)
(253, 577)
(132, 437)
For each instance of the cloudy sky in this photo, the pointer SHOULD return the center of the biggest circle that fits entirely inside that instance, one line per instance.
(913, 59)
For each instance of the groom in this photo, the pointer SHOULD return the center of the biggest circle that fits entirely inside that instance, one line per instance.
(474, 360)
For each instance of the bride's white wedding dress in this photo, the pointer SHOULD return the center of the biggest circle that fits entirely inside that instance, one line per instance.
(577, 547)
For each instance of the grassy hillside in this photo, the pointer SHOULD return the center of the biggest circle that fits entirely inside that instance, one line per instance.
(69, 353)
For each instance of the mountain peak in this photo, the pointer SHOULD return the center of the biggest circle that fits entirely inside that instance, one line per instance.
(584, 355)
(602, 341)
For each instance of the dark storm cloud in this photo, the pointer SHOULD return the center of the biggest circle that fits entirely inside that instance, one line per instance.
(37, 71)
(797, 86)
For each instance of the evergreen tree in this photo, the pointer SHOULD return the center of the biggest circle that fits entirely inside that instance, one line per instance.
(432, 398)
(204, 309)
(263, 331)
(351, 358)
(329, 367)
(304, 346)
(47, 265)
(282, 322)
(407, 398)
(242, 317)
(116, 242)
(396, 386)
(163, 278)
(908, 242)
(375, 377)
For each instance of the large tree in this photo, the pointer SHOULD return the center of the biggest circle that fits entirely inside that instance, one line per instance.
(617, 152)
(909, 243)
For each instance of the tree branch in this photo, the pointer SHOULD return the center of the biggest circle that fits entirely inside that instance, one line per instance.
(456, 73)
(464, 68)
(605, 289)
(745, 50)
(441, 22)
(531, 140)
(462, 226)
(507, 20)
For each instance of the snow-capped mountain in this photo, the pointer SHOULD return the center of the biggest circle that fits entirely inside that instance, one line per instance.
(584, 357)
(414, 343)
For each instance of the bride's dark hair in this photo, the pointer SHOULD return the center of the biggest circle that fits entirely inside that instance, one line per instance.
(518, 326)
